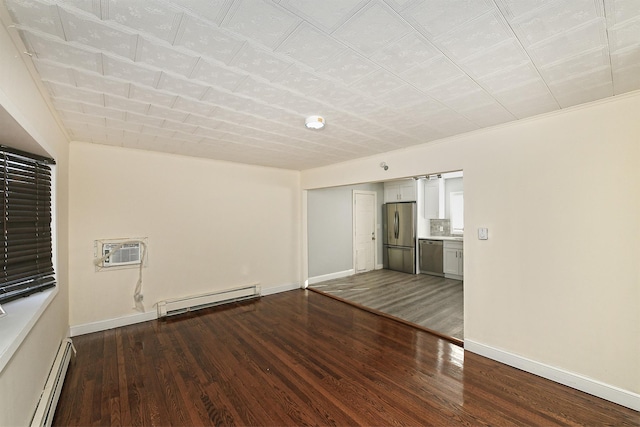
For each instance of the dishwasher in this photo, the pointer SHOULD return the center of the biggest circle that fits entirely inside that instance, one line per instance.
(431, 257)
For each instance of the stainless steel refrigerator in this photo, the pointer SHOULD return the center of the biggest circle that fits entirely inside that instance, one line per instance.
(399, 231)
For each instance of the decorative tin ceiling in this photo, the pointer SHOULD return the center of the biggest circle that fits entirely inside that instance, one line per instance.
(234, 79)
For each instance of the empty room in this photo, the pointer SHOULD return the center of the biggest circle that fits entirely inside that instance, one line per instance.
(286, 212)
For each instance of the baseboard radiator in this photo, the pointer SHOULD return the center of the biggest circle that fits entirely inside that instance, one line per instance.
(46, 408)
(196, 302)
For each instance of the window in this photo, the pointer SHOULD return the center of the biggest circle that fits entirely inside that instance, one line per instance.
(457, 212)
(26, 264)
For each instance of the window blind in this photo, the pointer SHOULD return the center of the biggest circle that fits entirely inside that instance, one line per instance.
(26, 264)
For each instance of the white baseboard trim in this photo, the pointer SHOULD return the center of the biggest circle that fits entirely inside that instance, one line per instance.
(330, 276)
(570, 379)
(103, 325)
(379, 266)
(278, 289)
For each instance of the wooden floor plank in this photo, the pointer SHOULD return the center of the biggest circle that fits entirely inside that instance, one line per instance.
(433, 302)
(301, 358)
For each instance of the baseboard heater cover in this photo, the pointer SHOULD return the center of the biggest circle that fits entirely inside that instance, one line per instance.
(46, 408)
(176, 306)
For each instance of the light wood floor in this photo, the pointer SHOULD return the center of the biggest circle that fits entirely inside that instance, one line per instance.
(299, 358)
(433, 302)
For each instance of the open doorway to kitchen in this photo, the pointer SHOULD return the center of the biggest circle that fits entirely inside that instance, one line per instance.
(432, 301)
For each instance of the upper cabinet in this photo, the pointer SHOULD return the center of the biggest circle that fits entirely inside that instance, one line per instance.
(441, 196)
(433, 207)
(400, 191)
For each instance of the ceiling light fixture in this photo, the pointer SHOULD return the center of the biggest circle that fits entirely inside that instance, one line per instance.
(314, 122)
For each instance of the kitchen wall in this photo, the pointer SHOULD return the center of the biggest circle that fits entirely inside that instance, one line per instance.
(210, 225)
(551, 287)
(330, 228)
(23, 378)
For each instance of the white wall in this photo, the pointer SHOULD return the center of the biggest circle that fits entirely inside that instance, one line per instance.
(558, 281)
(211, 226)
(23, 378)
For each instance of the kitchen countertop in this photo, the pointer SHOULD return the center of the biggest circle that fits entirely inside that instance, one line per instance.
(452, 238)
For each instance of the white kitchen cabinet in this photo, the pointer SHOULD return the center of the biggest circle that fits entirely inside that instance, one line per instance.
(434, 198)
(400, 191)
(453, 260)
(431, 199)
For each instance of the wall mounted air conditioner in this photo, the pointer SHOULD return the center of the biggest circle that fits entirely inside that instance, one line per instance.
(127, 254)
(111, 254)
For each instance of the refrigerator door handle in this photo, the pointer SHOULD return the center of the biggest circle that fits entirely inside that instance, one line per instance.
(396, 225)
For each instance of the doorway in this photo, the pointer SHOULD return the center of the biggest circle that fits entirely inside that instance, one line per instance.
(431, 302)
(364, 230)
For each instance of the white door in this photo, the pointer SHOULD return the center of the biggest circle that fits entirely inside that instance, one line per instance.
(364, 230)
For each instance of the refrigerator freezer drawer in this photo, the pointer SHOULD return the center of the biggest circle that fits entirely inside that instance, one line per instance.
(400, 259)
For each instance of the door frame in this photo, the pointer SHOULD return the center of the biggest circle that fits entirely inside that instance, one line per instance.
(375, 226)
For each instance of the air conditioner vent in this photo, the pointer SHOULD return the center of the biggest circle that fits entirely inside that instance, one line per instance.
(127, 254)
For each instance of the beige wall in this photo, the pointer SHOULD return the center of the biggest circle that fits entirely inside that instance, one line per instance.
(22, 380)
(211, 226)
(558, 281)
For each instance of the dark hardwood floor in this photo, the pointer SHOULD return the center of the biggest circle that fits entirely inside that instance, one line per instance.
(432, 302)
(301, 358)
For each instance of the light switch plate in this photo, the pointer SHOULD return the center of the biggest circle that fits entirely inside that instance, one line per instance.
(483, 233)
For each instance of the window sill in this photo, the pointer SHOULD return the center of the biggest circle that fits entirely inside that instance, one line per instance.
(21, 316)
